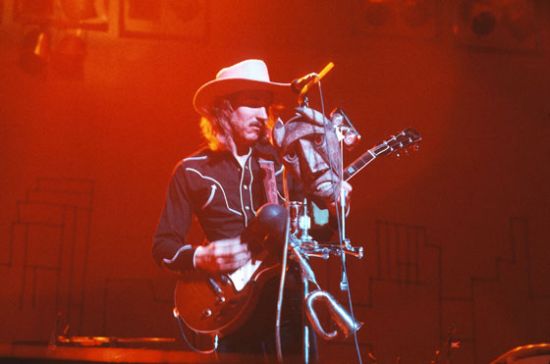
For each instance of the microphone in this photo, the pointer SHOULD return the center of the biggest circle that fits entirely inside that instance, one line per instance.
(302, 85)
(299, 84)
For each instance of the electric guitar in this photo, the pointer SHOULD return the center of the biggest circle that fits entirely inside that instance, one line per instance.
(219, 304)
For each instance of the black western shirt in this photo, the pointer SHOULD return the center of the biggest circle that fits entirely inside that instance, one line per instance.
(223, 195)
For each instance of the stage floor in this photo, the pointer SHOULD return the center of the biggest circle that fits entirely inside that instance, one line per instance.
(43, 353)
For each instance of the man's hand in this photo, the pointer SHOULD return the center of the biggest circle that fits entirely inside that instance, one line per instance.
(220, 256)
(332, 205)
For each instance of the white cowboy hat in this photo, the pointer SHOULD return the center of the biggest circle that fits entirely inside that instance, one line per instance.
(250, 74)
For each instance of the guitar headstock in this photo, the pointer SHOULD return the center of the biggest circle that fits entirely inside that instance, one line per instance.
(407, 139)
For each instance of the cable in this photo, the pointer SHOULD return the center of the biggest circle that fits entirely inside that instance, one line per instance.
(281, 293)
(283, 276)
(180, 322)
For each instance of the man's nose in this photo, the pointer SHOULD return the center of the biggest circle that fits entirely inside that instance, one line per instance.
(313, 162)
(262, 114)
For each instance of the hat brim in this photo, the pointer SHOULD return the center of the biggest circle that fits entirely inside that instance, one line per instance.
(208, 93)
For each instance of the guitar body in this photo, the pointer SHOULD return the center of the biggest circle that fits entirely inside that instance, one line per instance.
(213, 305)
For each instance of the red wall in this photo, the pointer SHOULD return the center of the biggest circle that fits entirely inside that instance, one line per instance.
(456, 234)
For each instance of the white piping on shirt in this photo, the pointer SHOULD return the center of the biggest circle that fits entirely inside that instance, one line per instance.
(212, 193)
(200, 158)
(281, 196)
(219, 185)
(173, 259)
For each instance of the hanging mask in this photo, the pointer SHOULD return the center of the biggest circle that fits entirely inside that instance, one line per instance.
(309, 147)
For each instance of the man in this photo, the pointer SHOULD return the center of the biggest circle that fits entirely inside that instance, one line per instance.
(223, 186)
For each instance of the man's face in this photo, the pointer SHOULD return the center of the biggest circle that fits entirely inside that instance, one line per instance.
(248, 116)
(312, 153)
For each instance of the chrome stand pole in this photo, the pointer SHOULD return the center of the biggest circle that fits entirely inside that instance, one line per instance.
(306, 328)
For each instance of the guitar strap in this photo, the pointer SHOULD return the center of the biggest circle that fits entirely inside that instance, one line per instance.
(270, 184)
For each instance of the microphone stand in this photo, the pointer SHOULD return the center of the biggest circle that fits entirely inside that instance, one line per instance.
(304, 246)
(305, 282)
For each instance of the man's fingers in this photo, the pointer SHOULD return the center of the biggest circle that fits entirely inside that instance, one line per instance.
(244, 256)
(232, 243)
(229, 251)
(223, 255)
(347, 187)
(240, 258)
(228, 242)
(229, 265)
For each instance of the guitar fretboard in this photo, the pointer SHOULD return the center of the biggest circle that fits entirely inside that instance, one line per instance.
(402, 140)
(359, 164)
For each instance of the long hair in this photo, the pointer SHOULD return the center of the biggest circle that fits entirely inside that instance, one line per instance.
(217, 130)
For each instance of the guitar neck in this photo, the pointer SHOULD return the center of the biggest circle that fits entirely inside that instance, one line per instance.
(358, 164)
(397, 142)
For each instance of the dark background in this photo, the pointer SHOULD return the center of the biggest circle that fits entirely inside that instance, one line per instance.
(456, 235)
